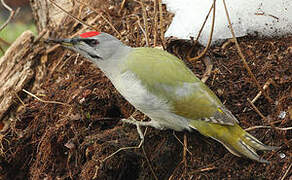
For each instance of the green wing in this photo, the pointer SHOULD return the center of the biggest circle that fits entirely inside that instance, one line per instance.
(167, 77)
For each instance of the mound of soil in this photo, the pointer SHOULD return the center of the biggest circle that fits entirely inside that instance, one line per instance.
(77, 124)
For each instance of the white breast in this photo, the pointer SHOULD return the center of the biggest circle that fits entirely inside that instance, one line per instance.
(156, 108)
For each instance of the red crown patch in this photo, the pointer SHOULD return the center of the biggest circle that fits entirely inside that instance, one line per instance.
(89, 34)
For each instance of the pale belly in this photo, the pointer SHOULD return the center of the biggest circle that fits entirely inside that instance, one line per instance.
(157, 109)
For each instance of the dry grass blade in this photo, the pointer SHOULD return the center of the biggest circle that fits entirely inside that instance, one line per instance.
(203, 25)
(144, 14)
(208, 71)
(155, 23)
(185, 153)
(40, 35)
(204, 169)
(266, 85)
(182, 143)
(44, 101)
(143, 31)
(149, 163)
(57, 134)
(161, 23)
(257, 110)
(267, 127)
(2, 50)
(210, 36)
(286, 173)
(11, 16)
(4, 42)
(243, 58)
(19, 99)
(259, 113)
(122, 6)
(77, 19)
(172, 176)
(102, 16)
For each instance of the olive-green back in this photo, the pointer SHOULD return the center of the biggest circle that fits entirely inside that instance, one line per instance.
(164, 75)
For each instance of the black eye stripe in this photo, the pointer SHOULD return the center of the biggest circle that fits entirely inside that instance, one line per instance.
(94, 56)
(91, 42)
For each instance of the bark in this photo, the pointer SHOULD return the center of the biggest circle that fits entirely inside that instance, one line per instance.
(18, 67)
(48, 15)
(76, 124)
(16, 70)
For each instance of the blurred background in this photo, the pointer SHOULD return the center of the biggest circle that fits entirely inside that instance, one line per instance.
(21, 22)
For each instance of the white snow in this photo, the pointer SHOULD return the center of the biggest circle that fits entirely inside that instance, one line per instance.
(266, 17)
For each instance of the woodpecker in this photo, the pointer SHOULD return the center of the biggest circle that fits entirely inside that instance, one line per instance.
(161, 86)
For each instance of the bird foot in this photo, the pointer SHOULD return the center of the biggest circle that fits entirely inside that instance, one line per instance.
(131, 120)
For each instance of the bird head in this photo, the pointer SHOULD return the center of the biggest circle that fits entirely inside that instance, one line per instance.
(96, 46)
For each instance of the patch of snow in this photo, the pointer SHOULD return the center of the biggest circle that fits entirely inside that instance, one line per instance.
(265, 17)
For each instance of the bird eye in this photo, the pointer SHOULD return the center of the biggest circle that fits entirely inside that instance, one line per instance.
(91, 42)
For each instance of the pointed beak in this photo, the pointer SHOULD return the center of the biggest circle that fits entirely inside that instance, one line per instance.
(64, 42)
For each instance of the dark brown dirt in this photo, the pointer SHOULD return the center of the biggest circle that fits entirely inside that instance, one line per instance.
(53, 141)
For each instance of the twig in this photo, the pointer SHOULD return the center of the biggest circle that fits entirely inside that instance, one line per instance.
(286, 173)
(266, 85)
(53, 48)
(44, 101)
(102, 16)
(181, 143)
(5, 42)
(77, 19)
(176, 168)
(243, 58)
(143, 31)
(40, 35)
(131, 147)
(259, 113)
(144, 14)
(199, 34)
(2, 50)
(20, 100)
(269, 15)
(149, 164)
(210, 36)
(204, 169)
(122, 7)
(110, 24)
(208, 71)
(267, 127)
(225, 44)
(203, 25)
(11, 16)
(155, 23)
(161, 23)
(257, 110)
(185, 153)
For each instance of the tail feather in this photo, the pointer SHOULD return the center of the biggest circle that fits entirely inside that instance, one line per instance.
(256, 144)
(234, 138)
(240, 148)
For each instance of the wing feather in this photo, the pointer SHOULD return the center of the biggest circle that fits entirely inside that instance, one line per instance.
(167, 77)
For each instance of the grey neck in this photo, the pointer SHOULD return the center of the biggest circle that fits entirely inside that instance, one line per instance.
(113, 66)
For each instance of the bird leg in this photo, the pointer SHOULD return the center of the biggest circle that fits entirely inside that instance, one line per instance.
(131, 120)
